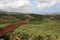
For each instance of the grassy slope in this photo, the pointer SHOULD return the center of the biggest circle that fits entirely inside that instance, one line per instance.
(51, 27)
(47, 28)
(35, 28)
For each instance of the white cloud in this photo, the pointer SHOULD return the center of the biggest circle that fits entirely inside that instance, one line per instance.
(42, 4)
(25, 5)
(58, 1)
(14, 4)
(18, 3)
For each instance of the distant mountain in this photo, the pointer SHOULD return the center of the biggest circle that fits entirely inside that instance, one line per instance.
(28, 15)
(4, 12)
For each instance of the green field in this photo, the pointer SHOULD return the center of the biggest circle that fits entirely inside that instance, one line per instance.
(39, 28)
(50, 29)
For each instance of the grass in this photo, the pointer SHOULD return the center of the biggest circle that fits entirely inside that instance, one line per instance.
(50, 29)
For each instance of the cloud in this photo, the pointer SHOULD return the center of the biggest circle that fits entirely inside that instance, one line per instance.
(25, 5)
(14, 4)
(58, 1)
(45, 3)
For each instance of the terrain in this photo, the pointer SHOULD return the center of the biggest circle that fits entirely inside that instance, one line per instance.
(40, 27)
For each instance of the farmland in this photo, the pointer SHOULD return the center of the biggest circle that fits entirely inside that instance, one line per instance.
(39, 28)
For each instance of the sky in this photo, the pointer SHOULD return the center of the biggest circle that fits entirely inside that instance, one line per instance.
(31, 6)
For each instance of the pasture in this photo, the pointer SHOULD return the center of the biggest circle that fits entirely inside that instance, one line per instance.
(37, 30)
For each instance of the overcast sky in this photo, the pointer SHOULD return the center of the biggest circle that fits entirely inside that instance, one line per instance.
(31, 6)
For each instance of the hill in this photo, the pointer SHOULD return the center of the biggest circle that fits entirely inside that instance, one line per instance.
(40, 27)
(10, 18)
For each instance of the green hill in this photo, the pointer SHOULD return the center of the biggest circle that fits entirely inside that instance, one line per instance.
(40, 27)
(12, 18)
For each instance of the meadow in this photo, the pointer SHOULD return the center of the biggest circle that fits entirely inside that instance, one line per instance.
(50, 30)
(38, 30)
